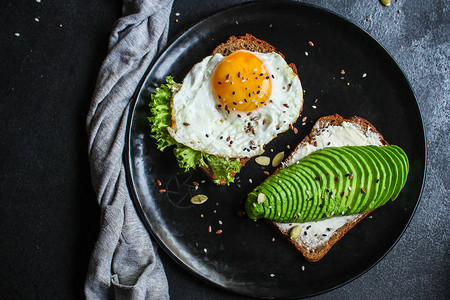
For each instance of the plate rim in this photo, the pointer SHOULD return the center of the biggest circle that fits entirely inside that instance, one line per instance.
(139, 89)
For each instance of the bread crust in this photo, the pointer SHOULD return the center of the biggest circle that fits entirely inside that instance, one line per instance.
(235, 43)
(315, 254)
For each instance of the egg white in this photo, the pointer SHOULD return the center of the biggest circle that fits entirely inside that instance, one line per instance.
(200, 125)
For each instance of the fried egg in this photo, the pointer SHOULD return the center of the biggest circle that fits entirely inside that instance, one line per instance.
(233, 106)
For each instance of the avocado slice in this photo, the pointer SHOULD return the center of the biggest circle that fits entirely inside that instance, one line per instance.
(317, 186)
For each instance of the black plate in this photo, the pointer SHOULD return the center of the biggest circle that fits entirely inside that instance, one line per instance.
(243, 257)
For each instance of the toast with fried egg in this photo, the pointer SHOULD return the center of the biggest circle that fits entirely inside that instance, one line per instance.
(229, 106)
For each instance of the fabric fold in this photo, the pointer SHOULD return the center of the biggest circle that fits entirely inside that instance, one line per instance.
(124, 263)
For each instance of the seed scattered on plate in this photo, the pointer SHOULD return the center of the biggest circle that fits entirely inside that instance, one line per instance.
(277, 159)
(306, 53)
(272, 275)
(199, 199)
(262, 160)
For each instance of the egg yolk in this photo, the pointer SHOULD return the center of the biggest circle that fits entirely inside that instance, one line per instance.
(241, 82)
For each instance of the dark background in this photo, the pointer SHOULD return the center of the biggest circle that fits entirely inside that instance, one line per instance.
(49, 219)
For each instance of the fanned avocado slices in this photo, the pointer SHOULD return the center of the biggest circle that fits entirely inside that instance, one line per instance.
(330, 182)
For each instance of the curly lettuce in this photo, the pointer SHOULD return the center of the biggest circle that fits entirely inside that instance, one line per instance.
(187, 158)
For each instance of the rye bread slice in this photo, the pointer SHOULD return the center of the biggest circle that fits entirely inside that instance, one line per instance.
(316, 245)
(235, 43)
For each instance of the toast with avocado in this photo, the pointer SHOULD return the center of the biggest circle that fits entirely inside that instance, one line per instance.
(339, 173)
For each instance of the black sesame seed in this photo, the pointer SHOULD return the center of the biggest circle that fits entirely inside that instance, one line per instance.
(234, 103)
(219, 96)
(262, 102)
(261, 74)
(239, 115)
(305, 233)
(328, 229)
(309, 226)
(273, 76)
(219, 82)
(233, 92)
(221, 137)
(267, 77)
(219, 106)
(249, 94)
(231, 142)
(245, 100)
(258, 92)
(324, 234)
(206, 135)
(378, 180)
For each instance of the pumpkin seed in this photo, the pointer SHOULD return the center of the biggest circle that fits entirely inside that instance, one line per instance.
(261, 198)
(199, 199)
(263, 160)
(295, 232)
(277, 159)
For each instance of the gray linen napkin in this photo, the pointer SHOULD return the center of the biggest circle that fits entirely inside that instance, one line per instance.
(124, 263)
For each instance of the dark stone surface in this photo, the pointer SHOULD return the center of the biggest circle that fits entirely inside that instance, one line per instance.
(49, 218)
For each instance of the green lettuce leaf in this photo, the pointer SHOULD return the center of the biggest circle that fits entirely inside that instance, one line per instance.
(188, 158)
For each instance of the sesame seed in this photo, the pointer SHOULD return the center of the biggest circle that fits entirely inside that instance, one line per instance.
(272, 275)
(314, 106)
(250, 180)
(205, 250)
(17, 34)
(36, 19)
(364, 75)
(186, 124)
(306, 53)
